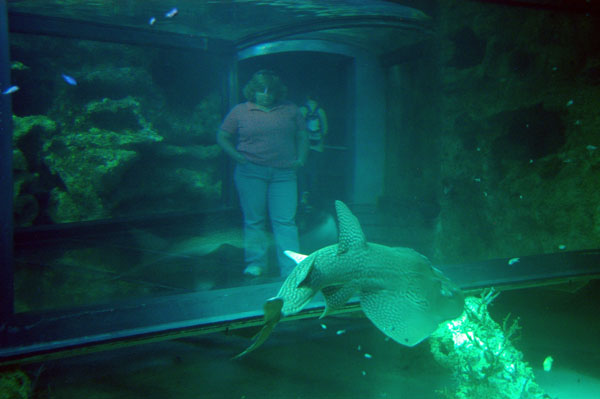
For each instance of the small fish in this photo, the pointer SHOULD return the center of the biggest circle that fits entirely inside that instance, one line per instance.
(368, 356)
(69, 79)
(591, 147)
(340, 332)
(569, 103)
(513, 261)
(548, 363)
(18, 66)
(151, 21)
(172, 13)
(11, 90)
(562, 247)
(324, 327)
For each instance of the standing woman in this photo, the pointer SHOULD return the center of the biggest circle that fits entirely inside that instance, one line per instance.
(267, 138)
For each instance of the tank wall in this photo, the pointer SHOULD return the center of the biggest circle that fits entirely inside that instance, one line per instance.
(497, 132)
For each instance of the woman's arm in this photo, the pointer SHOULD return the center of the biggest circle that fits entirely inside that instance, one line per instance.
(225, 141)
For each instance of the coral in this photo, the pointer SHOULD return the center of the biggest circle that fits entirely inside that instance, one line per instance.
(107, 164)
(33, 124)
(28, 135)
(198, 126)
(90, 160)
(111, 145)
(14, 384)
(517, 178)
(206, 118)
(484, 362)
(66, 207)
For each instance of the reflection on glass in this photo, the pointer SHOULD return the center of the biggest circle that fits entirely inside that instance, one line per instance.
(111, 133)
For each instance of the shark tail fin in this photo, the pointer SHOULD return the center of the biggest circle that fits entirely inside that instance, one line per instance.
(272, 310)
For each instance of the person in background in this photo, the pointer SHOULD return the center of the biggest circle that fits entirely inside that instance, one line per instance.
(267, 138)
(317, 127)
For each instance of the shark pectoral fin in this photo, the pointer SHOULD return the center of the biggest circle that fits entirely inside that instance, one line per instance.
(302, 270)
(336, 296)
(272, 310)
(295, 256)
(407, 321)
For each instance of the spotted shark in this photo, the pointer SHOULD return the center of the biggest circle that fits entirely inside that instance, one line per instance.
(399, 290)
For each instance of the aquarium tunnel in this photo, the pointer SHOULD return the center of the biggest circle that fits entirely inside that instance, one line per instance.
(309, 51)
(466, 131)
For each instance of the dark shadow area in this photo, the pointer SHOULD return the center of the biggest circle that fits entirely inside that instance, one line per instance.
(469, 50)
(528, 133)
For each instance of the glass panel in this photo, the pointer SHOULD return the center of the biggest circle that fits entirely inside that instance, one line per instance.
(111, 133)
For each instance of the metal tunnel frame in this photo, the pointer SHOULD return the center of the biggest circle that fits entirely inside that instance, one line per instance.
(6, 181)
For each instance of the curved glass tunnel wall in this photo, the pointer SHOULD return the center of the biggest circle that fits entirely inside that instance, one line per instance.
(356, 93)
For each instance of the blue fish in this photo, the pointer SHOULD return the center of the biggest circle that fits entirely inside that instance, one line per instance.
(69, 79)
(171, 13)
(10, 90)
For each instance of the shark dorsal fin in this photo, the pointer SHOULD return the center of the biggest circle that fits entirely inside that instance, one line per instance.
(351, 234)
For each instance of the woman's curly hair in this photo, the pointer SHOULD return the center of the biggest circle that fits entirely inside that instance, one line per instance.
(265, 79)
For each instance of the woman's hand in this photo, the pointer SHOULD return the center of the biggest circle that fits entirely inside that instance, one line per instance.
(225, 141)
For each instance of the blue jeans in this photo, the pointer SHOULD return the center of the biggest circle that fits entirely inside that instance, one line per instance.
(263, 188)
